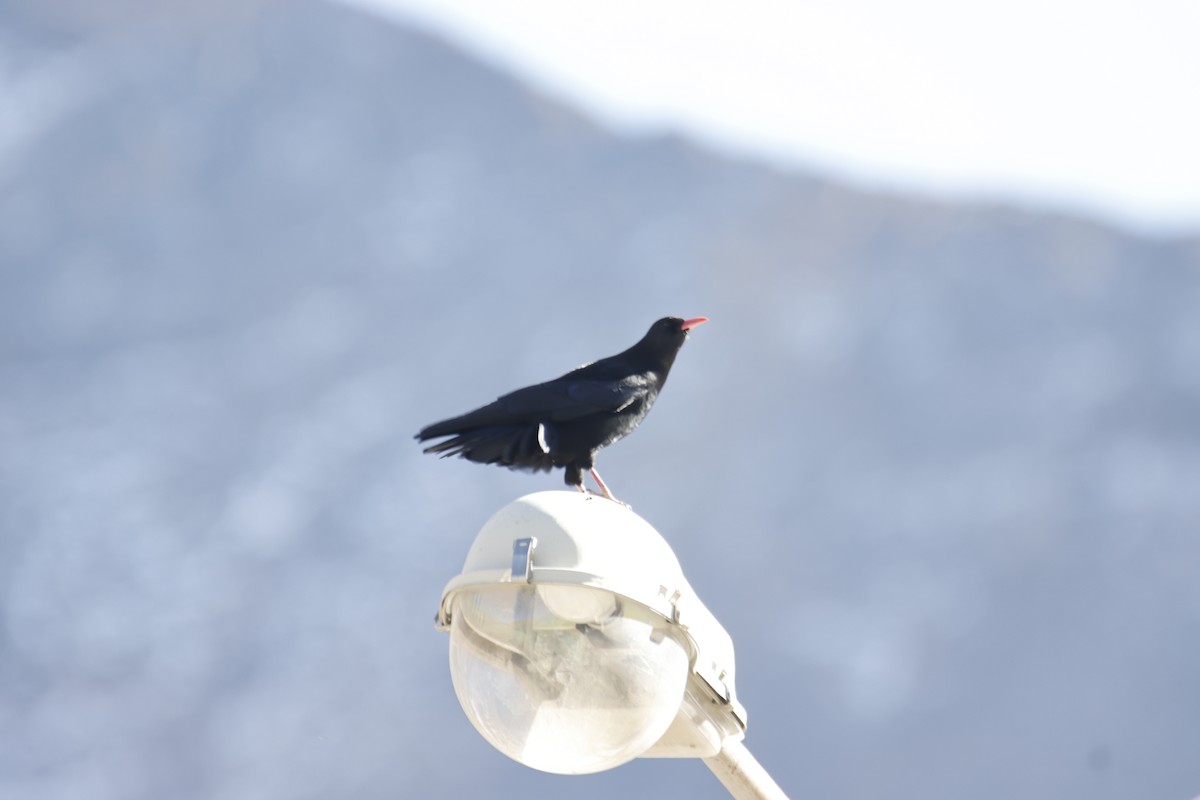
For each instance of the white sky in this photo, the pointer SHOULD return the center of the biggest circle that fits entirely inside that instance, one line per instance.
(1092, 106)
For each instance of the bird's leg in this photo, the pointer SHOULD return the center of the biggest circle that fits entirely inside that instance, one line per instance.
(579, 486)
(603, 488)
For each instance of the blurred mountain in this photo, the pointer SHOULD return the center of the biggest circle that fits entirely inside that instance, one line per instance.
(934, 466)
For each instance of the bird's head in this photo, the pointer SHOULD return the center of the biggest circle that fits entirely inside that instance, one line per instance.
(675, 328)
(666, 336)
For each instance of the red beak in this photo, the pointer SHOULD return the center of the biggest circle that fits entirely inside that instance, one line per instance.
(688, 324)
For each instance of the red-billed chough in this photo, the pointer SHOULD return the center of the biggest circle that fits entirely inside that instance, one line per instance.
(563, 422)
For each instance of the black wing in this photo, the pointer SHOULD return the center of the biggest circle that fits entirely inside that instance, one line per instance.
(518, 430)
(554, 401)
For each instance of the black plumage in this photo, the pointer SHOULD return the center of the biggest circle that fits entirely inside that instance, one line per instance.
(563, 422)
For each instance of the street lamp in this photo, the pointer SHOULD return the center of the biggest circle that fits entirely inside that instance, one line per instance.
(576, 645)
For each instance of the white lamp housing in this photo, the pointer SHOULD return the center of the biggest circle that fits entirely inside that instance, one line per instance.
(576, 644)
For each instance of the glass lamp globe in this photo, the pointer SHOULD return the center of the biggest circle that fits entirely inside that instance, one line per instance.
(563, 678)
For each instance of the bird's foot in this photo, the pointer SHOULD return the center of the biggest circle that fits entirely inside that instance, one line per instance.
(605, 490)
(590, 494)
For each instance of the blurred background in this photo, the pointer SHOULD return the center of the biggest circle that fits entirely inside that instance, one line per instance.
(933, 463)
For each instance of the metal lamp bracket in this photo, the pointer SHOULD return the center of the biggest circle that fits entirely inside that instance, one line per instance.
(522, 559)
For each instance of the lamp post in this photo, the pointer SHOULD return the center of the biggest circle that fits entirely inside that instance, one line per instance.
(576, 645)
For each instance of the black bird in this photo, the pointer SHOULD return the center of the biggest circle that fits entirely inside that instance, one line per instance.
(563, 422)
